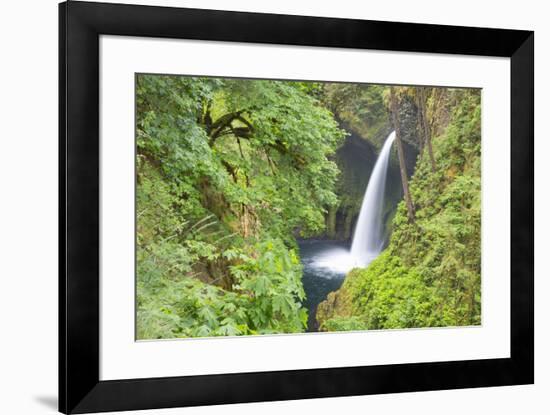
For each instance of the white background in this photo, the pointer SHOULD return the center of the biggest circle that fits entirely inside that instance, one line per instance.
(28, 212)
(123, 358)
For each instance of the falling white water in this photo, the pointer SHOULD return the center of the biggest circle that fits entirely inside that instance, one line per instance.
(368, 240)
(369, 236)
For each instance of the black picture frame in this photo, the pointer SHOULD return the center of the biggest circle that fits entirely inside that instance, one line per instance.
(80, 26)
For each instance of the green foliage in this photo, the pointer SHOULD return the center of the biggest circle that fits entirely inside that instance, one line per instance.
(266, 297)
(353, 323)
(228, 172)
(430, 274)
(285, 168)
(362, 107)
(272, 283)
(388, 295)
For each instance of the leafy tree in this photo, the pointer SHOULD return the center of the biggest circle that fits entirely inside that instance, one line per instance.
(228, 171)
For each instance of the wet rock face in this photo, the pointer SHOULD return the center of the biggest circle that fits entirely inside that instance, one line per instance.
(338, 304)
(355, 159)
(327, 309)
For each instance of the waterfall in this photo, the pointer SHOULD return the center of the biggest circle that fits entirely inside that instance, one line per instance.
(368, 237)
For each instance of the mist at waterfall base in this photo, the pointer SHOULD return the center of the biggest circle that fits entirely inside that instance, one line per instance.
(327, 262)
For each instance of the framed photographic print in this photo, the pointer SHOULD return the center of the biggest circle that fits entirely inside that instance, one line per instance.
(260, 207)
